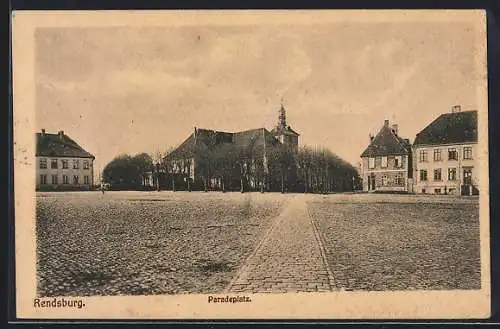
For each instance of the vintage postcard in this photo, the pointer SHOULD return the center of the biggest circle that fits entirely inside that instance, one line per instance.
(251, 164)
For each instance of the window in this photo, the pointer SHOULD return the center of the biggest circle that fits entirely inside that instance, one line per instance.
(423, 190)
(468, 176)
(53, 164)
(54, 179)
(437, 191)
(437, 155)
(423, 155)
(384, 180)
(423, 175)
(75, 179)
(452, 173)
(384, 162)
(65, 179)
(86, 180)
(76, 164)
(398, 161)
(86, 164)
(467, 152)
(43, 179)
(452, 153)
(64, 164)
(43, 163)
(437, 174)
(398, 179)
(371, 163)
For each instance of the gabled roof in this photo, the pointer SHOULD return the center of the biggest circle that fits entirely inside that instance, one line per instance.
(450, 128)
(386, 142)
(185, 149)
(284, 130)
(205, 137)
(255, 137)
(212, 137)
(59, 145)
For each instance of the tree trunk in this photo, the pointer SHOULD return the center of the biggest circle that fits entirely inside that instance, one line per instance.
(173, 184)
(242, 188)
(223, 185)
(282, 183)
(205, 183)
(305, 181)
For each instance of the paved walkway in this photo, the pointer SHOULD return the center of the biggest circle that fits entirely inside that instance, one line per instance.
(289, 258)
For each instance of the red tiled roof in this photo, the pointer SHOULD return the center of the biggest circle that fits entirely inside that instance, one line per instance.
(56, 145)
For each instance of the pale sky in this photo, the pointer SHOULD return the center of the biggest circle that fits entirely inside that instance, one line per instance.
(131, 90)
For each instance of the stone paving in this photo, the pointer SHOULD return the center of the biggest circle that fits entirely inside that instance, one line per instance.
(131, 243)
(146, 243)
(289, 257)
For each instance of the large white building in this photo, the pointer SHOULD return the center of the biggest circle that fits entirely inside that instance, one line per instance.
(61, 163)
(444, 155)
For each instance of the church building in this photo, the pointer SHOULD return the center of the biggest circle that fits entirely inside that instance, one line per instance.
(190, 158)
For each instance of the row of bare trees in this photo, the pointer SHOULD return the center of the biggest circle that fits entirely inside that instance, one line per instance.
(320, 170)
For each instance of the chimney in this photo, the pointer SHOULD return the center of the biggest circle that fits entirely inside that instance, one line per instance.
(371, 137)
(456, 109)
(61, 134)
(395, 129)
(43, 132)
(386, 123)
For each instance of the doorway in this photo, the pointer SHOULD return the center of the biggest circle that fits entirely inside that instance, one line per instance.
(371, 182)
(468, 176)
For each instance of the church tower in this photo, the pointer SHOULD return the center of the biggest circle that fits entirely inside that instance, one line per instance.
(282, 117)
(284, 133)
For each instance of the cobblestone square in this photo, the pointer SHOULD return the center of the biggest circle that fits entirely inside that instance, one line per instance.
(143, 243)
(400, 242)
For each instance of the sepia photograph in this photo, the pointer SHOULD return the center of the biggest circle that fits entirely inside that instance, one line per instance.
(209, 164)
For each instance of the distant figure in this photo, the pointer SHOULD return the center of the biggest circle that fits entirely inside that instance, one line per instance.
(102, 188)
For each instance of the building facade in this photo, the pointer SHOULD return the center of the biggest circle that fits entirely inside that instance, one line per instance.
(386, 164)
(189, 160)
(61, 163)
(445, 154)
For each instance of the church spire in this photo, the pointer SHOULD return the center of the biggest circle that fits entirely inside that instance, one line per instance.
(282, 116)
